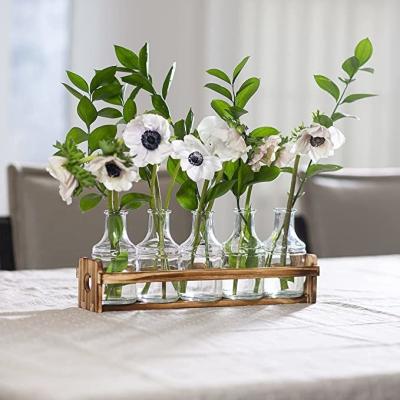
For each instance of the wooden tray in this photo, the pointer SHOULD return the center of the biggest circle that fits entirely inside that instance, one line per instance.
(91, 279)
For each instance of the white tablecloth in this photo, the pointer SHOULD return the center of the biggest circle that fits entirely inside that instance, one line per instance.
(347, 346)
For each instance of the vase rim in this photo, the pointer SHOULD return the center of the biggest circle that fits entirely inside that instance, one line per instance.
(283, 210)
(159, 211)
(119, 212)
(205, 212)
(242, 210)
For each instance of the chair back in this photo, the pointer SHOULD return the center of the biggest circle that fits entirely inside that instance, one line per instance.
(353, 212)
(49, 234)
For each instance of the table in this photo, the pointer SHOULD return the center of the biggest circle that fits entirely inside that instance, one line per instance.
(347, 346)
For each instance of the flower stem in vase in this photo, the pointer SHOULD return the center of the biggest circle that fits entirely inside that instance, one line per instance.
(243, 230)
(114, 236)
(288, 213)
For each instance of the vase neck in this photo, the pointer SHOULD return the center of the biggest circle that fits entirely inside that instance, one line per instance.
(159, 221)
(115, 227)
(244, 221)
(279, 218)
(205, 220)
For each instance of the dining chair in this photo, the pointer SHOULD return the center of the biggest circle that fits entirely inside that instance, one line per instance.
(353, 212)
(49, 234)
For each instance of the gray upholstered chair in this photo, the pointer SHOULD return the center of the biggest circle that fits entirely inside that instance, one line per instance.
(49, 234)
(353, 212)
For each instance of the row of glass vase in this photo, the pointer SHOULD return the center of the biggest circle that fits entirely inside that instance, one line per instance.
(202, 250)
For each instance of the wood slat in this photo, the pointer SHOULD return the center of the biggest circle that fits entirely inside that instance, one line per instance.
(208, 274)
(200, 304)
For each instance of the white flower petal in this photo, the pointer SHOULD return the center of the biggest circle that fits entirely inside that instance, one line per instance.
(337, 137)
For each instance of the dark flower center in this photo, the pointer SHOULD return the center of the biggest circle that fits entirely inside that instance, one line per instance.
(317, 141)
(113, 170)
(151, 140)
(195, 158)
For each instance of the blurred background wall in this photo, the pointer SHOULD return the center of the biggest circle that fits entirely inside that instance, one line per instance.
(288, 41)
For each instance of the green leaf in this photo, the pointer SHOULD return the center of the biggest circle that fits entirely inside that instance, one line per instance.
(266, 174)
(179, 129)
(189, 121)
(263, 131)
(367, 69)
(230, 168)
(144, 59)
(127, 57)
(329, 86)
(337, 115)
(239, 68)
(244, 95)
(350, 66)
(171, 166)
(354, 97)
(129, 110)
(117, 100)
(221, 107)
(250, 81)
(168, 80)
(115, 228)
(134, 93)
(89, 201)
(219, 190)
(245, 177)
(86, 111)
(219, 89)
(118, 263)
(105, 132)
(77, 135)
(145, 174)
(78, 81)
(363, 51)
(288, 170)
(323, 120)
(315, 169)
(107, 92)
(109, 112)
(134, 200)
(236, 112)
(73, 91)
(186, 196)
(139, 80)
(160, 105)
(219, 74)
(102, 77)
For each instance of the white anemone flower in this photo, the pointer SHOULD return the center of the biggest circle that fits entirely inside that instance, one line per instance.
(112, 172)
(318, 141)
(284, 157)
(195, 158)
(147, 137)
(265, 153)
(223, 141)
(68, 183)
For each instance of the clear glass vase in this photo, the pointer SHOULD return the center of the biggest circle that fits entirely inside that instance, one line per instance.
(201, 250)
(276, 255)
(117, 254)
(158, 252)
(244, 249)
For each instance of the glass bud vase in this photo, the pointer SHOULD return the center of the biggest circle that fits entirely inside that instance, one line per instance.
(158, 252)
(201, 250)
(284, 287)
(117, 254)
(244, 249)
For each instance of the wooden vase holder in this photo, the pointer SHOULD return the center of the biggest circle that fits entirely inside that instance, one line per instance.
(92, 278)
